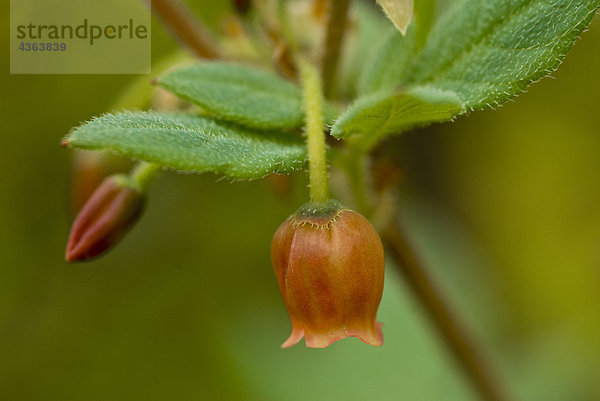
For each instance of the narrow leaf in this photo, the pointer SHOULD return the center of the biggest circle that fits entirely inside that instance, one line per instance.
(489, 51)
(399, 11)
(376, 116)
(191, 143)
(240, 94)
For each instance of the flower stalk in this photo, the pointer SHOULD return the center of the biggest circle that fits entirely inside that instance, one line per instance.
(144, 174)
(185, 27)
(315, 135)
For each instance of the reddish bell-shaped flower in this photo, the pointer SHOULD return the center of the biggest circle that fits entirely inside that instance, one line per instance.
(105, 218)
(330, 266)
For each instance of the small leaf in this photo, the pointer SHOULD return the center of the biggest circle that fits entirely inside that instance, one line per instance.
(389, 63)
(192, 143)
(243, 95)
(489, 51)
(373, 117)
(399, 11)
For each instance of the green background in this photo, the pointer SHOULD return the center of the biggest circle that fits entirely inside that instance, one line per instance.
(504, 205)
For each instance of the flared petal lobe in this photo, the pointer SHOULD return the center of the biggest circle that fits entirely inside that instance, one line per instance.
(330, 270)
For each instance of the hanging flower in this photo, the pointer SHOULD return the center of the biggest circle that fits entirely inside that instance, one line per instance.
(330, 267)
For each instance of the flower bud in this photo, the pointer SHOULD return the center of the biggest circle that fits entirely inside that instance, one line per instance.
(330, 267)
(89, 169)
(105, 218)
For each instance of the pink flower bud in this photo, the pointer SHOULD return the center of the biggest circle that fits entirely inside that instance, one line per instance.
(105, 218)
(330, 268)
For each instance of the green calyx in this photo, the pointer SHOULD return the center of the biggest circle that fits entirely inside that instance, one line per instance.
(126, 181)
(321, 210)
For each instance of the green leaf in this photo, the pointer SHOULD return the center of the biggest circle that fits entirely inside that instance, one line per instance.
(139, 92)
(389, 63)
(369, 26)
(240, 94)
(425, 11)
(373, 117)
(480, 54)
(489, 51)
(192, 143)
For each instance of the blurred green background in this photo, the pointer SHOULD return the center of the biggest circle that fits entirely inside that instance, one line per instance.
(504, 205)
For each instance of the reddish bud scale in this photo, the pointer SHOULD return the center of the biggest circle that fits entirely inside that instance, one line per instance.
(330, 269)
(104, 219)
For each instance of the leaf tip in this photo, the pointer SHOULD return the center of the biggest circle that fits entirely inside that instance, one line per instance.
(400, 12)
(336, 131)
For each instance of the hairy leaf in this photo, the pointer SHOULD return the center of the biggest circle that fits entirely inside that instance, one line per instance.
(244, 95)
(481, 52)
(373, 117)
(192, 143)
(489, 51)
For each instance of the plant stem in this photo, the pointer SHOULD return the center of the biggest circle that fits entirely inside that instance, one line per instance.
(144, 174)
(336, 27)
(184, 27)
(453, 332)
(315, 136)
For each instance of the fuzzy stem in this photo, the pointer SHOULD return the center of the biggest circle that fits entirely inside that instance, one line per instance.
(315, 136)
(144, 174)
(184, 27)
(453, 332)
(336, 27)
